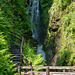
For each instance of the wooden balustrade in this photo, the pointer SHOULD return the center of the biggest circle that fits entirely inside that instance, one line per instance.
(47, 68)
(23, 58)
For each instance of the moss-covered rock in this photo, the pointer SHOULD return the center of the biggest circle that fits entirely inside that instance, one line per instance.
(61, 25)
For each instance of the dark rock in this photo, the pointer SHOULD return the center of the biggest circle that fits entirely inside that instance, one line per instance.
(29, 33)
(33, 41)
(54, 28)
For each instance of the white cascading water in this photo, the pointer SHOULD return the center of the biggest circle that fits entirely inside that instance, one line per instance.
(40, 51)
(34, 13)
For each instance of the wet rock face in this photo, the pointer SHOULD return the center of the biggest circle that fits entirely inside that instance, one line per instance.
(52, 39)
(34, 41)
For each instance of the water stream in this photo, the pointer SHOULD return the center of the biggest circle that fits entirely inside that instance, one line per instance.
(34, 13)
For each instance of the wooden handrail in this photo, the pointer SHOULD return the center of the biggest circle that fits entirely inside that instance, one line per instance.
(23, 58)
(22, 44)
(26, 59)
(25, 62)
(50, 67)
(50, 73)
(47, 68)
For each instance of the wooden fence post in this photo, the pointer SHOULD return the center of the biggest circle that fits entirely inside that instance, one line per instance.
(21, 58)
(47, 71)
(19, 69)
(63, 70)
(31, 69)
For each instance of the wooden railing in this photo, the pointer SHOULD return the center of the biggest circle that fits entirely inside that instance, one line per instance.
(20, 40)
(23, 58)
(48, 70)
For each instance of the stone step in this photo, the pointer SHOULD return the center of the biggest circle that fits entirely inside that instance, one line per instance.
(16, 58)
(15, 51)
(15, 54)
(15, 45)
(16, 62)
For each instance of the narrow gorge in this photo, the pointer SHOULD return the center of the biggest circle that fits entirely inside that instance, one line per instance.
(38, 34)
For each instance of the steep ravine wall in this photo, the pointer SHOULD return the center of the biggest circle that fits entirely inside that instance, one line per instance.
(57, 47)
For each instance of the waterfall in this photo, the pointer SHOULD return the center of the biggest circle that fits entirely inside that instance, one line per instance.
(34, 13)
(40, 51)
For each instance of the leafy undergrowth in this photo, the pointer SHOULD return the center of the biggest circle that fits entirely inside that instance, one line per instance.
(67, 53)
(6, 65)
(30, 53)
(14, 13)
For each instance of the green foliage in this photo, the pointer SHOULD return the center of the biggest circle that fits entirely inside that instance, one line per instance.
(6, 66)
(45, 5)
(30, 53)
(70, 8)
(15, 14)
(4, 24)
(65, 3)
(62, 11)
(67, 54)
(53, 9)
(50, 38)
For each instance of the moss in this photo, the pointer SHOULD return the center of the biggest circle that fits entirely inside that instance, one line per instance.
(67, 48)
(60, 32)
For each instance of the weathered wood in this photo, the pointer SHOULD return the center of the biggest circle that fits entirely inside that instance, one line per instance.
(31, 69)
(21, 57)
(22, 43)
(19, 69)
(63, 70)
(25, 63)
(26, 73)
(51, 73)
(21, 48)
(51, 67)
(48, 68)
(25, 58)
(62, 73)
(22, 51)
(35, 72)
(62, 67)
(47, 71)
(26, 67)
